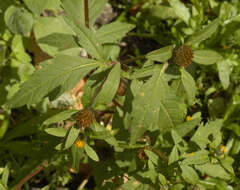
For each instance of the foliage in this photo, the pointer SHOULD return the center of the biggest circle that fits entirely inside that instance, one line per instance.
(160, 100)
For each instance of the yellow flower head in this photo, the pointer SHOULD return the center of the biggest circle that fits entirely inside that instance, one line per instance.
(188, 118)
(79, 143)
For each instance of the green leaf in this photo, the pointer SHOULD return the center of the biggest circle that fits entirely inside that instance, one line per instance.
(152, 156)
(201, 137)
(87, 39)
(37, 7)
(213, 170)
(72, 136)
(5, 175)
(189, 174)
(113, 32)
(199, 157)
(180, 9)
(63, 115)
(91, 85)
(204, 33)
(18, 20)
(143, 72)
(90, 152)
(45, 27)
(62, 75)
(77, 154)
(174, 155)
(59, 40)
(227, 162)
(75, 9)
(161, 55)
(95, 8)
(189, 85)
(206, 57)
(58, 132)
(110, 87)
(184, 128)
(155, 107)
(224, 73)
(176, 138)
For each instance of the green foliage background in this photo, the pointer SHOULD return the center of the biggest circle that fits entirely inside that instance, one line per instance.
(173, 127)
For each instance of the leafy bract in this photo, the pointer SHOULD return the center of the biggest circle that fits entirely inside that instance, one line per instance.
(189, 85)
(206, 57)
(113, 32)
(72, 137)
(61, 75)
(161, 55)
(204, 33)
(63, 115)
(90, 152)
(155, 107)
(58, 132)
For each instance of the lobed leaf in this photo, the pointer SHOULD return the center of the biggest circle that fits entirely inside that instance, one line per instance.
(155, 107)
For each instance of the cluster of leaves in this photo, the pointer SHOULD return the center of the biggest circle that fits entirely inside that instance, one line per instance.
(167, 119)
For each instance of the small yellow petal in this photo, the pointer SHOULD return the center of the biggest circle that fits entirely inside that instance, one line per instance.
(188, 118)
(79, 143)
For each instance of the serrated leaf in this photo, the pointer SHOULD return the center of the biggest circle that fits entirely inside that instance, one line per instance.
(213, 170)
(201, 136)
(161, 55)
(199, 157)
(63, 115)
(87, 39)
(180, 9)
(72, 137)
(62, 74)
(58, 132)
(18, 20)
(189, 174)
(90, 152)
(206, 57)
(155, 107)
(174, 155)
(109, 87)
(113, 32)
(224, 73)
(152, 156)
(189, 85)
(204, 33)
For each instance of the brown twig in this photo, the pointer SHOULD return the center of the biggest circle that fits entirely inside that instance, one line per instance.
(31, 175)
(86, 13)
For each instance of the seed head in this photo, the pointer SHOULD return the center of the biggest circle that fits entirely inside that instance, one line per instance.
(84, 118)
(183, 55)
